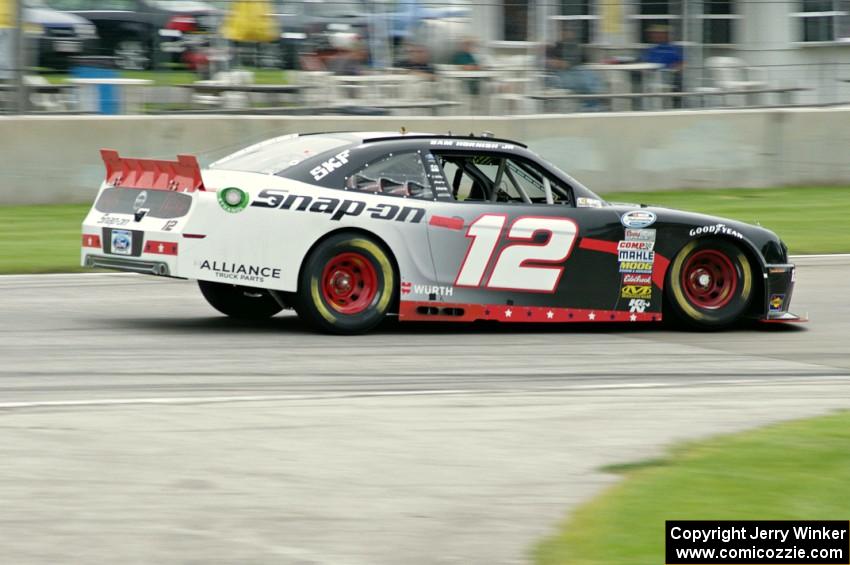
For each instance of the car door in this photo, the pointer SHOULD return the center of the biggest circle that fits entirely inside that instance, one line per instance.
(513, 235)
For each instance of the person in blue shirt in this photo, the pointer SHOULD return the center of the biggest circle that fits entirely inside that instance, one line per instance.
(669, 55)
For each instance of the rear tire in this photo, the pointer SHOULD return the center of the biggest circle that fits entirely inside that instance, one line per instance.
(347, 285)
(709, 285)
(241, 302)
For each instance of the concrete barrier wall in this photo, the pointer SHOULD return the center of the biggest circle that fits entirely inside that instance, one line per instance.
(55, 159)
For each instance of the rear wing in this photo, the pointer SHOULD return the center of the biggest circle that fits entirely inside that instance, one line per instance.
(182, 175)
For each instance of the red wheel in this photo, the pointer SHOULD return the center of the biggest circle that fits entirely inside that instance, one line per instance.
(709, 284)
(346, 285)
(709, 279)
(349, 283)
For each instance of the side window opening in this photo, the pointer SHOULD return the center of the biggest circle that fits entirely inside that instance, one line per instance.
(401, 174)
(502, 178)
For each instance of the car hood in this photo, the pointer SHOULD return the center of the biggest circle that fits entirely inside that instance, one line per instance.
(52, 17)
(689, 221)
(185, 6)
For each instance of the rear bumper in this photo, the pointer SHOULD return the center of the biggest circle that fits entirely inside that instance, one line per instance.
(159, 268)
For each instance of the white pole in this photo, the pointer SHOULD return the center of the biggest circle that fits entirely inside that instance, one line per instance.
(19, 57)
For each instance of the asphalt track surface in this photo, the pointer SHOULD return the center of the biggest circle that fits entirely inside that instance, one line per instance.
(137, 426)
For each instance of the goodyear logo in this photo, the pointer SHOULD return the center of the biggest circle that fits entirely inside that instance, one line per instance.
(636, 291)
(635, 266)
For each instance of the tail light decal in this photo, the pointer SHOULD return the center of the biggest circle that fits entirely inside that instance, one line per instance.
(161, 247)
(91, 240)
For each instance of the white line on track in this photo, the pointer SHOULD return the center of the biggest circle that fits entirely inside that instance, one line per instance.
(178, 400)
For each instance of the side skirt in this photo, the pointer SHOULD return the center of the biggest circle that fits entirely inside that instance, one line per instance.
(415, 311)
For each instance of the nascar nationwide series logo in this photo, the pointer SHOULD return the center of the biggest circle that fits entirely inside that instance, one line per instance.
(336, 208)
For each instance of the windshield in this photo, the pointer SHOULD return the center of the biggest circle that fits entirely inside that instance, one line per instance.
(275, 155)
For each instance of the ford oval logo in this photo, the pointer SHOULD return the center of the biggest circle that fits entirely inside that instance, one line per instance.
(140, 200)
(638, 219)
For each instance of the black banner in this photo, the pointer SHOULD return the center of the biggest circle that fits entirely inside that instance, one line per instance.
(755, 542)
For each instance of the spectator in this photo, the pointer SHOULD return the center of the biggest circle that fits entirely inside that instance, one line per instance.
(418, 61)
(351, 61)
(662, 52)
(565, 66)
(465, 58)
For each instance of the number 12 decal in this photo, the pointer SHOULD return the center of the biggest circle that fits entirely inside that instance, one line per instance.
(511, 270)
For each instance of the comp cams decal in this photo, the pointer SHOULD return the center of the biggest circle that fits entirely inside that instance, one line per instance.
(336, 208)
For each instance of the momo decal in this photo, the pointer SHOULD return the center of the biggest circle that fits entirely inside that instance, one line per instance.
(636, 291)
(336, 208)
(240, 271)
(330, 165)
(638, 219)
(719, 229)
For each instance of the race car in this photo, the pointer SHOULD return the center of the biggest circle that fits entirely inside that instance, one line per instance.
(350, 228)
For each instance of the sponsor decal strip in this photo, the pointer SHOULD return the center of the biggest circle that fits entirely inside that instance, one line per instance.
(659, 268)
(446, 222)
(600, 245)
(412, 310)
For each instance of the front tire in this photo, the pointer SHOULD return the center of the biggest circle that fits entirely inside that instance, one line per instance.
(709, 285)
(346, 285)
(241, 302)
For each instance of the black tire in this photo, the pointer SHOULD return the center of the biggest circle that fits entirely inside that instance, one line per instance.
(241, 302)
(346, 285)
(709, 285)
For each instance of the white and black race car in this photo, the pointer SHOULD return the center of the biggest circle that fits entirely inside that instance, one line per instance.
(347, 228)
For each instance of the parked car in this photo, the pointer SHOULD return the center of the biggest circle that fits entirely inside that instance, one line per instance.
(142, 33)
(53, 37)
(324, 27)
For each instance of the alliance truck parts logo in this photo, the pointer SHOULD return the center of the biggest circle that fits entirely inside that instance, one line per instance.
(336, 208)
(239, 271)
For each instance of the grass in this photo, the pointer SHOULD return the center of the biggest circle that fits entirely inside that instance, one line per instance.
(796, 470)
(38, 239)
(809, 220)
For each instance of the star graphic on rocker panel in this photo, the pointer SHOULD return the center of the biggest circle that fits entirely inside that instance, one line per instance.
(591, 316)
(508, 313)
(161, 248)
(550, 315)
(633, 318)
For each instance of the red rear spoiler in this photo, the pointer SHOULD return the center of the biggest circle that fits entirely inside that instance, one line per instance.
(184, 174)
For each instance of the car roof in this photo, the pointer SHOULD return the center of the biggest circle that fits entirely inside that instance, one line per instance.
(378, 136)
